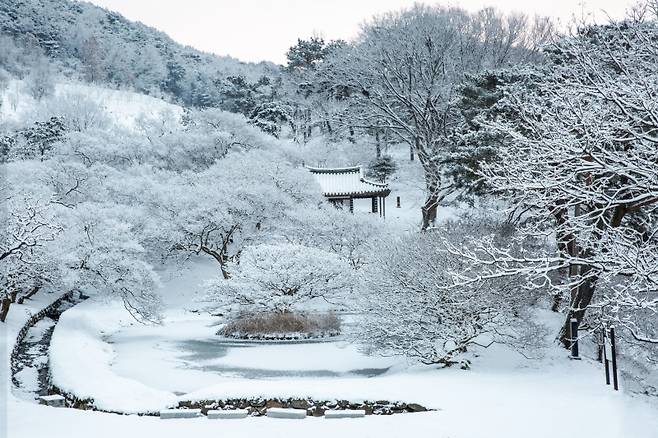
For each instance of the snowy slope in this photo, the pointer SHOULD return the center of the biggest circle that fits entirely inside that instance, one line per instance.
(123, 107)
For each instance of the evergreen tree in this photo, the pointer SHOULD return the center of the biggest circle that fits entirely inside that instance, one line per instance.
(381, 168)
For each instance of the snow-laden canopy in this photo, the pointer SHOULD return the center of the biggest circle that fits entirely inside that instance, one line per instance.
(347, 182)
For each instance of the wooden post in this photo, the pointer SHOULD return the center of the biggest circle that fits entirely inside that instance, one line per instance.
(398, 203)
(613, 349)
(573, 337)
(384, 207)
(606, 365)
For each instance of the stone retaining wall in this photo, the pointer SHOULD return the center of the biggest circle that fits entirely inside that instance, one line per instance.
(315, 408)
(52, 311)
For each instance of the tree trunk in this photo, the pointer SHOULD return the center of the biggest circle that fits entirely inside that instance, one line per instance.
(378, 144)
(225, 273)
(220, 259)
(581, 299)
(557, 302)
(429, 212)
(4, 308)
(582, 296)
(433, 187)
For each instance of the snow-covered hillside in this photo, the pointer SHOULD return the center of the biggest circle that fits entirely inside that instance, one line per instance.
(122, 108)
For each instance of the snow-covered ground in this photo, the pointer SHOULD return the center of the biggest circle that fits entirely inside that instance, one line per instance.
(474, 411)
(97, 351)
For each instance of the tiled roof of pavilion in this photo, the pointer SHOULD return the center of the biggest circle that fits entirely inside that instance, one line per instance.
(347, 181)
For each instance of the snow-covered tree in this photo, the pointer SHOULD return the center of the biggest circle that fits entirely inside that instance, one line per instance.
(30, 227)
(35, 141)
(39, 82)
(280, 278)
(410, 309)
(334, 230)
(306, 53)
(578, 162)
(78, 112)
(241, 199)
(381, 168)
(403, 70)
(106, 258)
(270, 117)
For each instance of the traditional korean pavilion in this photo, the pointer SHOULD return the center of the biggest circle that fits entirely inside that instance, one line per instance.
(344, 184)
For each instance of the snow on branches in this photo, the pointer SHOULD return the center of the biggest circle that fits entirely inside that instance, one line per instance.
(579, 162)
(402, 73)
(280, 278)
(412, 308)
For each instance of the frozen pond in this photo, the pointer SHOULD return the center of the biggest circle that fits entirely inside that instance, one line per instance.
(282, 359)
(186, 355)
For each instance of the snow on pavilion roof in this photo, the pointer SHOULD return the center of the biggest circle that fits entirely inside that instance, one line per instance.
(347, 181)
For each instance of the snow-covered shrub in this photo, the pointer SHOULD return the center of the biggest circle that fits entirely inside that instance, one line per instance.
(280, 279)
(412, 307)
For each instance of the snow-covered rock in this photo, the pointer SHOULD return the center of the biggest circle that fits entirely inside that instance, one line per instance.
(227, 414)
(293, 414)
(167, 414)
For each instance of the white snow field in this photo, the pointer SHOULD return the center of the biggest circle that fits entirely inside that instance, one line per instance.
(128, 367)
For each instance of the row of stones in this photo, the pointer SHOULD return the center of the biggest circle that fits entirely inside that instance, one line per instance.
(315, 408)
(244, 413)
